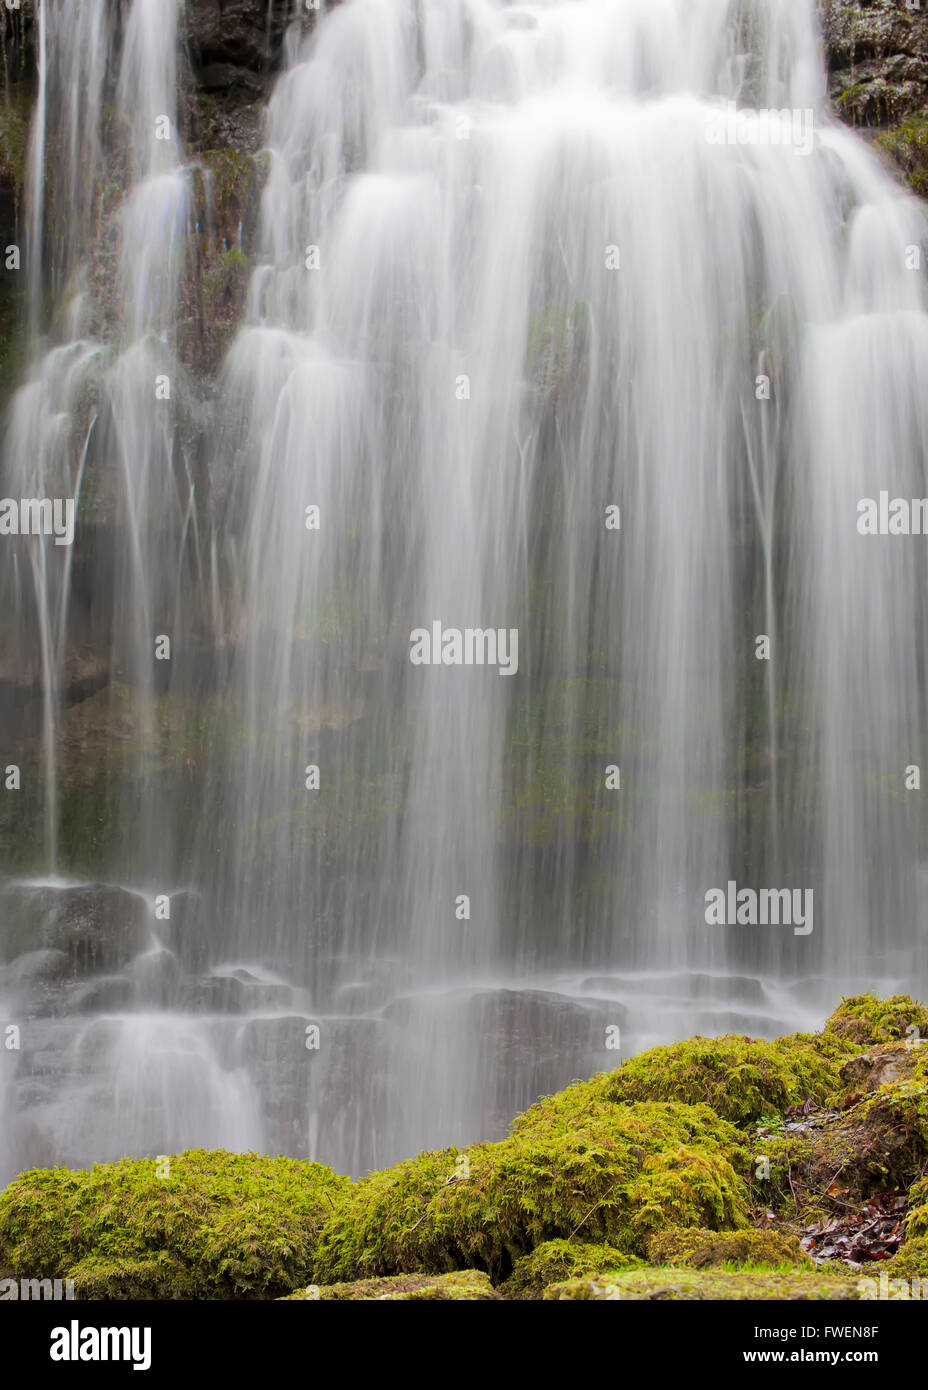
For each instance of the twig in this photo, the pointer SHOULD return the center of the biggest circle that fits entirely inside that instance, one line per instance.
(593, 1208)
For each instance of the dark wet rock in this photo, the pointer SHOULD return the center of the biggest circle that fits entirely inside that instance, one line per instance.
(246, 34)
(37, 967)
(877, 54)
(215, 994)
(223, 76)
(96, 927)
(531, 1041)
(235, 49)
(335, 1083)
(157, 978)
(111, 994)
(740, 989)
(185, 931)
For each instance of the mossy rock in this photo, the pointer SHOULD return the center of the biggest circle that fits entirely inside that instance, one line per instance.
(911, 1262)
(616, 1174)
(688, 1285)
(705, 1249)
(558, 1260)
(465, 1286)
(14, 135)
(740, 1078)
(219, 1225)
(907, 145)
(883, 1064)
(917, 1220)
(161, 1276)
(865, 1019)
(878, 1144)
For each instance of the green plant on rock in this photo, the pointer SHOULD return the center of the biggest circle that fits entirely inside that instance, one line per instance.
(908, 146)
(865, 1019)
(698, 1249)
(910, 1262)
(556, 1260)
(740, 1078)
(616, 1174)
(219, 1225)
(916, 1224)
(463, 1286)
(680, 1284)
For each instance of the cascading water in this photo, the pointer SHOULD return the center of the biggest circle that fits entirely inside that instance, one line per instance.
(532, 343)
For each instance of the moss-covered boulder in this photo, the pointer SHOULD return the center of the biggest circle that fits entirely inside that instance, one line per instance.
(617, 1173)
(688, 1285)
(864, 1019)
(463, 1286)
(216, 1225)
(554, 1261)
(911, 1262)
(917, 1220)
(698, 1249)
(739, 1078)
(907, 145)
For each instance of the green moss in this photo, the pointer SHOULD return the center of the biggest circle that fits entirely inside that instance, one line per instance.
(864, 1019)
(616, 1174)
(873, 101)
(557, 1260)
(910, 1263)
(219, 1225)
(232, 179)
(160, 1277)
(687, 1285)
(703, 1249)
(14, 136)
(916, 1224)
(13, 345)
(556, 342)
(907, 145)
(464, 1286)
(740, 1078)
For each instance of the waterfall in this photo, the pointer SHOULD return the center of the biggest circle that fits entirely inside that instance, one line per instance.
(577, 323)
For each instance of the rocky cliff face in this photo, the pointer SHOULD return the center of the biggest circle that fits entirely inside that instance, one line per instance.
(877, 54)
